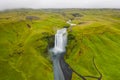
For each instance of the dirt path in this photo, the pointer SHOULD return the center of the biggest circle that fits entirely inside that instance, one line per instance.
(85, 77)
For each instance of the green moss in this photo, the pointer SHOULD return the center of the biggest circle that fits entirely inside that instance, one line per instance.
(24, 43)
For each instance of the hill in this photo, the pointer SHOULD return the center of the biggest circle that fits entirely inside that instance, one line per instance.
(26, 35)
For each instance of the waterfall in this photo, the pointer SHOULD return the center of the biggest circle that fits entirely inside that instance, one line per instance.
(58, 50)
(60, 41)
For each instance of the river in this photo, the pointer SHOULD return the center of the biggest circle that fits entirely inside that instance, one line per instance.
(61, 68)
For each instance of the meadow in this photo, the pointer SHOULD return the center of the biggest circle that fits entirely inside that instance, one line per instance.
(26, 36)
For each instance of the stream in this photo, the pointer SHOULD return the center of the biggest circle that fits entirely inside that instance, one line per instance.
(61, 68)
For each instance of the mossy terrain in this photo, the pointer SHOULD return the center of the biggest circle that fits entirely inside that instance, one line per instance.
(26, 35)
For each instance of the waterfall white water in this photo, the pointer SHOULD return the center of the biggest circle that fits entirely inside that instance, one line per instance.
(60, 41)
(58, 50)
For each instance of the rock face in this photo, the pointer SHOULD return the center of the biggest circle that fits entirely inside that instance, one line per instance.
(32, 18)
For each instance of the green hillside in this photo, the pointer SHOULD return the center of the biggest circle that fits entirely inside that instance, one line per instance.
(26, 35)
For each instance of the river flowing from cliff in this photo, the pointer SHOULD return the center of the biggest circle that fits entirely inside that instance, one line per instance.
(58, 53)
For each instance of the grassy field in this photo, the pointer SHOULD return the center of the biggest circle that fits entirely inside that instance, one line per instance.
(25, 35)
